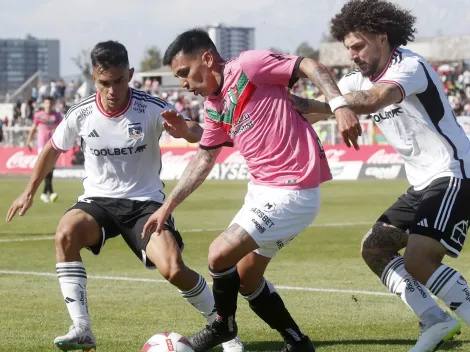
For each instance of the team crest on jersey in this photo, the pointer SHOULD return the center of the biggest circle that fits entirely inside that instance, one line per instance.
(135, 131)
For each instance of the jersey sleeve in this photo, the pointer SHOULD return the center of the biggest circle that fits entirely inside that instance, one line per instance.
(347, 85)
(265, 67)
(408, 75)
(214, 135)
(65, 134)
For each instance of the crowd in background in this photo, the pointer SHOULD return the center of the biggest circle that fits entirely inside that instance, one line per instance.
(455, 78)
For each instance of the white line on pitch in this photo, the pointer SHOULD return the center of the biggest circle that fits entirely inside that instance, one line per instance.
(6, 240)
(119, 278)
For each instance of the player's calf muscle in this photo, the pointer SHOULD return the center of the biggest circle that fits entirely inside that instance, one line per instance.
(381, 244)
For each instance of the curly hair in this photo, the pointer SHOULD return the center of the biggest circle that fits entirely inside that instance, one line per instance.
(374, 16)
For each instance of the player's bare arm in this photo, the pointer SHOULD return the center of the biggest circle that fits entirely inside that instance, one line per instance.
(193, 176)
(319, 75)
(374, 99)
(361, 101)
(302, 105)
(44, 165)
(348, 123)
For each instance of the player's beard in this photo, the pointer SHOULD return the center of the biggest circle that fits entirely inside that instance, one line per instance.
(370, 70)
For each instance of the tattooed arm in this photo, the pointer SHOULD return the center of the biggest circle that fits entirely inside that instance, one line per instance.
(361, 101)
(374, 99)
(193, 176)
(313, 110)
(348, 123)
(319, 75)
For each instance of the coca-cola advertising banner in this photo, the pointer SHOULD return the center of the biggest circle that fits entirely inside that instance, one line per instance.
(380, 162)
(21, 160)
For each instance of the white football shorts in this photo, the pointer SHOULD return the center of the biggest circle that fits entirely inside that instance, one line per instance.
(275, 216)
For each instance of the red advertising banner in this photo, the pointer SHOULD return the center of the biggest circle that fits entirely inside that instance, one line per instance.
(15, 160)
(346, 163)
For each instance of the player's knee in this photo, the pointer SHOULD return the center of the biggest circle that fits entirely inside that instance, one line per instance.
(65, 238)
(173, 272)
(216, 259)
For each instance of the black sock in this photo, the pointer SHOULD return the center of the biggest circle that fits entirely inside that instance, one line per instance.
(225, 289)
(48, 183)
(268, 305)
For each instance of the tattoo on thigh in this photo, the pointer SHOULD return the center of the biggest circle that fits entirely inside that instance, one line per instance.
(233, 233)
(226, 236)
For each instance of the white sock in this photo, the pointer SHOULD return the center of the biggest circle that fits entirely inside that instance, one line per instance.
(73, 279)
(415, 296)
(448, 285)
(201, 298)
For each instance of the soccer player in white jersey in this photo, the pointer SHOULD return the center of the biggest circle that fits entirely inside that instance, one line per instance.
(119, 130)
(405, 97)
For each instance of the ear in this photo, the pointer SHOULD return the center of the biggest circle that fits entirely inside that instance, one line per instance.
(131, 74)
(383, 38)
(93, 74)
(207, 58)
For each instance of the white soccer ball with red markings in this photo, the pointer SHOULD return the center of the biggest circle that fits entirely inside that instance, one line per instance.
(167, 342)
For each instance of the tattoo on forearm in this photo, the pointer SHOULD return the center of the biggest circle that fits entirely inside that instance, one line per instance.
(194, 174)
(381, 244)
(323, 80)
(303, 104)
(359, 99)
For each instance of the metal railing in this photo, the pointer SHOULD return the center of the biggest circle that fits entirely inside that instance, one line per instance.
(16, 136)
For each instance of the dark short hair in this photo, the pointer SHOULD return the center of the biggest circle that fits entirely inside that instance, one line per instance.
(50, 98)
(189, 42)
(374, 16)
(109, 54)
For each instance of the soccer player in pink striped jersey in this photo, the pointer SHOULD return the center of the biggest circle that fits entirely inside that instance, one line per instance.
(44, 123)
(247, 105)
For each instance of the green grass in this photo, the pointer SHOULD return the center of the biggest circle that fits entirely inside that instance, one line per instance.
(126, 313)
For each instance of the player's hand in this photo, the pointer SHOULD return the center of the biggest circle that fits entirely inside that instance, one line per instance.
(348, 126)
(29, 147)
(298, 103)
(22, 203)
(175, 124)
(156, 221)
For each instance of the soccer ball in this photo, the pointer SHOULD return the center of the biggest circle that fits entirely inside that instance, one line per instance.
(167, 342)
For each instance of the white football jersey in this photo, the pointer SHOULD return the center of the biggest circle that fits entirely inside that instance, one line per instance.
(122, 151)
(422, 127)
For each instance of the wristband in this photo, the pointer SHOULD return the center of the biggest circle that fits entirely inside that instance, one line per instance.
(337, 102)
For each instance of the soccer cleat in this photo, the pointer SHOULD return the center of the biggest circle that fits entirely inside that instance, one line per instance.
(433, 337)
(53, 197)
(235, 345)
(304, 345)
(45, 198)
(211, 336)
(77, 339)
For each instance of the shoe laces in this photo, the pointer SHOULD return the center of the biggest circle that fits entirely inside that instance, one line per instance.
(203, 336)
